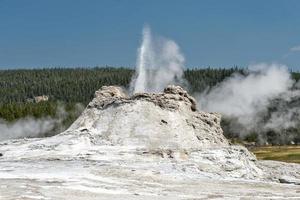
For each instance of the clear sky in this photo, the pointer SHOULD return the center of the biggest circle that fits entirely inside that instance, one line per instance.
(217, 33)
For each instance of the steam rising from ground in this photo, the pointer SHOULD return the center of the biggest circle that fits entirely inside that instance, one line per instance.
(26, 127)
(248, 98)
(244, 96)
(29, 127)
(244, 99)
(159, 63)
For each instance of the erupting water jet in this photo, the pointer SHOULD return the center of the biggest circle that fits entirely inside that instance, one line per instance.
(159, 64)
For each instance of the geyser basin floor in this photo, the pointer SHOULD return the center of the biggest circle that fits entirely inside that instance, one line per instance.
(141, 147)
(286, 153)
(99, 180)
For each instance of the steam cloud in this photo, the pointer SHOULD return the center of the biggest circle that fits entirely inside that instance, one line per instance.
(244, 96)
(26, 127)
(248, 98)
(245, 99)
(159, 63)
(29, 127)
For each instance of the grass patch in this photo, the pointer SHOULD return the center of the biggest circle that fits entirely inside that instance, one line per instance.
(288, 153)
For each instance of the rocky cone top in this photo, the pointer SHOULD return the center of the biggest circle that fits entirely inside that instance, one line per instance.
(144, 146)
(171, 98)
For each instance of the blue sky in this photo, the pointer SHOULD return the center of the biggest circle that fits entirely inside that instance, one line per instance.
(49, 33)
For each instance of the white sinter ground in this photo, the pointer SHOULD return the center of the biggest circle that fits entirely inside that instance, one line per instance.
(147, 146)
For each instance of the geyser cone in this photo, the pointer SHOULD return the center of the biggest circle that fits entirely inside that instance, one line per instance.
(166, 120)
(147, 144)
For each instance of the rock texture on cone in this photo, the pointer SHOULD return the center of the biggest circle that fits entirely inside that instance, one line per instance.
(167, 120)
(137, 147)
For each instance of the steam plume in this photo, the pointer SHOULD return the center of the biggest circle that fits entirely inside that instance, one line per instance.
(248, 98)
(26, 127)
(159, 63)
(29, 127)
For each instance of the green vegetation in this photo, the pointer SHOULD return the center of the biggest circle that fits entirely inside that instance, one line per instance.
(12, 111)
(64, 113)
(280, 153)
(79, 85)
(69, 86)
(200, 79)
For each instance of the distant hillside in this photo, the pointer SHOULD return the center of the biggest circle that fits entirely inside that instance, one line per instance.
(68, 87)
(79, 84)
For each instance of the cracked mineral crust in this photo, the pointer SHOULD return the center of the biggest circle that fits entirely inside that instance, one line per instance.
(144, 146)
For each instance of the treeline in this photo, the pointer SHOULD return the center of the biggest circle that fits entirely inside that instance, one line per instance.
(76, 85)
(201, 79)
(13, 111)
(79, 85)
(57, 116)
(68, 87)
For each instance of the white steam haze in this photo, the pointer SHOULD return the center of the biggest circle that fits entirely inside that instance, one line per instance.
(159, 63)
(29, 127)
(26, 127)
(244, 96)
(246, 99)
